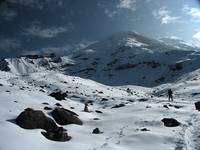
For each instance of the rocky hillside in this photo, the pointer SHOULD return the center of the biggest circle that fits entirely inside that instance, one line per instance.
(130, 58)
(122, 59)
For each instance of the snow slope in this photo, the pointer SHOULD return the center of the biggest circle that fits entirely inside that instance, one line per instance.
(121, 126)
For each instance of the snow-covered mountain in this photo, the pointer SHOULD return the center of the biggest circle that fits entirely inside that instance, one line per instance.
(122, 59)
(179, 43)
(129, 117)
(130, 58)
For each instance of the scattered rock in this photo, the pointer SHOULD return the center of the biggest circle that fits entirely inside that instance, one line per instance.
(45, 103)
(57, 134)
(41, 90)
(47, 108)
(58, 104)
(35, 119)
(98, 111)
(58, 95)
(175, 106)
(197, 105)
(64, 117)
(194, 94)
(143, 100)
(119, 105)
(104, 99)
(96, 131)
(131, 100)
(165, 106)
(144, 129)
(170, 122)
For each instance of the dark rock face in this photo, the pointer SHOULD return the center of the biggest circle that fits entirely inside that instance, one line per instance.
(4, 65)
(96, 131)
(58, 95)
(57, 134)
(31, 56)
(197, 105)
(170, 122)
(64, 117)
(119, 105)
(35, 119)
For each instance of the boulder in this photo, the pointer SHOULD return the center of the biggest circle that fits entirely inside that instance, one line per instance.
(58, 104)
(143, 100)
(35, 119)
(96, 131)
(47, 108)
(57, 134)
(144, 129)
(64, 117)
(170, 122)
(98, 111)
(197, 105)
(119, 105)
(58, 95)
(104, 99)
(165, 106)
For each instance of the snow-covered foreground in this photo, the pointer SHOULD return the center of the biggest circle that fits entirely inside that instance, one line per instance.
(122, 127)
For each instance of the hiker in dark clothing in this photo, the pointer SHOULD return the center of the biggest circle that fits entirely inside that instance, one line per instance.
(170, 93)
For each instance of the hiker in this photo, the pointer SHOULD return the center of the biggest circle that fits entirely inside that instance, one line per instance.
(170, 95)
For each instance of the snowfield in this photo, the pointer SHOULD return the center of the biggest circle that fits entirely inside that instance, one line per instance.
(121, 127)
(125, 78)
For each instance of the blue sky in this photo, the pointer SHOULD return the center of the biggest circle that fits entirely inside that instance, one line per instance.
(60, 25)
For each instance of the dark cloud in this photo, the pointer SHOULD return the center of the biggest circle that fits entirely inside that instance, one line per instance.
(58, 25)
(36, 29)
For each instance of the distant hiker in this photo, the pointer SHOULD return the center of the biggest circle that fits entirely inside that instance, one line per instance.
(86, 108)
(170, 93)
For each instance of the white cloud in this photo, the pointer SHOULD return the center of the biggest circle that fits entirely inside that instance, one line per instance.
(8, 44)
(127, 4)
(169, 19)
(110, 13)
(194, 12)
(197, 36)
(164, 16)
(37, 30)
